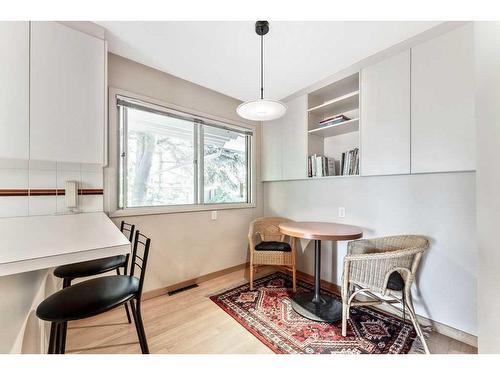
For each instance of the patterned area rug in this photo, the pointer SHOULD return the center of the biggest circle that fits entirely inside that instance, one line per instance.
(267, 313)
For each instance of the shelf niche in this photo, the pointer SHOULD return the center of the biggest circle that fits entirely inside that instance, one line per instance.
(338, 98)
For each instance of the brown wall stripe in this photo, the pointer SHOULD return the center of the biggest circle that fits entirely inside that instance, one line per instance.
(45, 192)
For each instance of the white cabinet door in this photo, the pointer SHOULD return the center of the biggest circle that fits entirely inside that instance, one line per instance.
(14, 93)
(442, 103)
(294, 133)
(272, 140)
(67, 94)
(385, 117)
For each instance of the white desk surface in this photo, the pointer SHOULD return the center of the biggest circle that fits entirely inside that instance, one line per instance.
(40, 242)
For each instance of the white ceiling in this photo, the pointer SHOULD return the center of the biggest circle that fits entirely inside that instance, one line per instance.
(224, 56)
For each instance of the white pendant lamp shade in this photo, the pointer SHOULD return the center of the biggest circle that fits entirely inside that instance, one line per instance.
(261, 110)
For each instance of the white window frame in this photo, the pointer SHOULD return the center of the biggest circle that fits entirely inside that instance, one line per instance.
(112, 171)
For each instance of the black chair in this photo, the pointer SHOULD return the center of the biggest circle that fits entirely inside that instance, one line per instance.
(69, 272)
(96, 296)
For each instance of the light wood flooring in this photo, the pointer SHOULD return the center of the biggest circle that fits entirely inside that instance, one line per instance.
(189, 322)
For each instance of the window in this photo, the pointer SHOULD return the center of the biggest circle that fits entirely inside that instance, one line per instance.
(225, 165)
(170, 158)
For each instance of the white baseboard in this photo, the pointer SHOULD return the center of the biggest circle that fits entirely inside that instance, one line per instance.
(441, 328)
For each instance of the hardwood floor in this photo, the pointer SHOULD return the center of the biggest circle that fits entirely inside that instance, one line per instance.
(189, 322)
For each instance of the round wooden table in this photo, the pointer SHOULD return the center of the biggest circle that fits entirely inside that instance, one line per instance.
(314, 305)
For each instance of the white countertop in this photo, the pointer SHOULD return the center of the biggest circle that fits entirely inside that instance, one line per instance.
(39, 242)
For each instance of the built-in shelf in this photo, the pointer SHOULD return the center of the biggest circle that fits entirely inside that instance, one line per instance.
(336, 129)
(336, 176)
(331, 141)
(347, 101)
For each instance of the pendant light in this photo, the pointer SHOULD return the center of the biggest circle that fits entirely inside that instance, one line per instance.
(261, 109)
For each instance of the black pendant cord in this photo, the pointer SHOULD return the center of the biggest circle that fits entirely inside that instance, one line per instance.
(262, 67)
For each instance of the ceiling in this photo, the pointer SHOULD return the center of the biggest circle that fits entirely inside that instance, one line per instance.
(224, 56)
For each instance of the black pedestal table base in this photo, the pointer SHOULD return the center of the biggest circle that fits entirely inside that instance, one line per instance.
(328, 309)
(314, 305)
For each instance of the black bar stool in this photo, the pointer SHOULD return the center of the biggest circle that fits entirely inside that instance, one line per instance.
(96, 296)
(69, 272)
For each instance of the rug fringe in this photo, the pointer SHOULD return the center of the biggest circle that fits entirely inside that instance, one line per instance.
(223, 290)
(417, 346)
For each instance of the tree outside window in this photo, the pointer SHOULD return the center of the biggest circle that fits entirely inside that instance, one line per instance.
(161, 167)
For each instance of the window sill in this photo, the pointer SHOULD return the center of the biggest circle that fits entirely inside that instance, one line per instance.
(162, 210)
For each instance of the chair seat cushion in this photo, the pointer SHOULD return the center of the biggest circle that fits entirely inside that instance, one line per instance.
(273, 246)
(88, 298)
(89, 268)
(395, 282)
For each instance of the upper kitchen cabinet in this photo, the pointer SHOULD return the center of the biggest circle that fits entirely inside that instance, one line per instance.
(294, 153)
(385, 114)
(442, 103)
(284, 144)
(14, 95)
(67, 94)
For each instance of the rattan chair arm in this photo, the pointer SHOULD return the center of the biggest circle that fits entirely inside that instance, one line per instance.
(384, 255)
(386, 244)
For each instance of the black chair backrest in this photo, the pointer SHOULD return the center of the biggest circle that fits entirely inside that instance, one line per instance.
(141, 243)
(126, 227)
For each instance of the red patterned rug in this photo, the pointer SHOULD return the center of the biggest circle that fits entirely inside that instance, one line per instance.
(267, 313)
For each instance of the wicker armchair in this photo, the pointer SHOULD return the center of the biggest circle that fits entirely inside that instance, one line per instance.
(384, 270)
(269, 247)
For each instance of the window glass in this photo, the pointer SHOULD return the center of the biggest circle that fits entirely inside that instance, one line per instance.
(160, 160)
(225, 166)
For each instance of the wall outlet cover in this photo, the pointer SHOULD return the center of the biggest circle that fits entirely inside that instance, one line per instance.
(341, 211)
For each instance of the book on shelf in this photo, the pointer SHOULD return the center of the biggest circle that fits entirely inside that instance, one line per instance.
(350, 162)
(333, 120)
(320, 166)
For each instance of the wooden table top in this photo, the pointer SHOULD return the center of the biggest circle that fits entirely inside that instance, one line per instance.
(313, 230)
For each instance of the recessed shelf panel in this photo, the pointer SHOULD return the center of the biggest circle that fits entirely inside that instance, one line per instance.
(345, 102)
(336, 129)
(336, 176)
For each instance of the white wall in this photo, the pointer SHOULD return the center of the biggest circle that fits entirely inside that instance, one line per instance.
(18, 293)
(487, 40)
(185, 245)
(439, 206)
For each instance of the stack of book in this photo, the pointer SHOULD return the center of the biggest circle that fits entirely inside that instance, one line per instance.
(349, 164)
(320, 166)
(333, 120)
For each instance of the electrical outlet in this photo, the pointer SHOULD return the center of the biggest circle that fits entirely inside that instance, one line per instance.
(341, 211)
(214, 215)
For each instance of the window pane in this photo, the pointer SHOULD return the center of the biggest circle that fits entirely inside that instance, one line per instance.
(160, 160)
(225, 164)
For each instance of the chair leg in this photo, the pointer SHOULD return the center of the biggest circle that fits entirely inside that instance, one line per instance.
(63, 327)
(141, 324)
(128, 313)
(126, 303)
(141, 334)
(346, 292)
(251, 276)
(134, 314)
(57, 339)
(52, 338)
(414, 320)
(62, 337)
(345, 316)
(294, 278)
